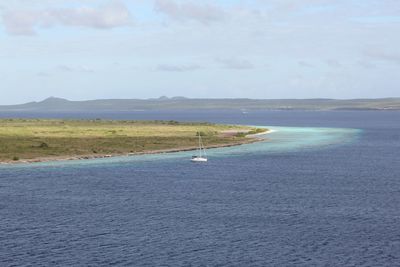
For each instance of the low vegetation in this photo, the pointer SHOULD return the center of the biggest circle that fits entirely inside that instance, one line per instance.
(30, 139)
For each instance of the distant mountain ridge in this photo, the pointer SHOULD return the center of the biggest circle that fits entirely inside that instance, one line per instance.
(54, 104)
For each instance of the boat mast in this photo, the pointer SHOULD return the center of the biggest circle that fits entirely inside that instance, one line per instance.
(199, 144)
(204, 150)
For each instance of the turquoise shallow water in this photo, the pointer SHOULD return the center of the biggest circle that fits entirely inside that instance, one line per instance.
(291, 139)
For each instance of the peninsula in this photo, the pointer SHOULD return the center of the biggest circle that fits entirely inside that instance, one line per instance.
(35, 140)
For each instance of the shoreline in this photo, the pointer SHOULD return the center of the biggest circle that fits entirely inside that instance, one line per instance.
(253, 138)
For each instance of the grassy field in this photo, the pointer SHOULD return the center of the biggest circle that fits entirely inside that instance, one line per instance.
(32, 139)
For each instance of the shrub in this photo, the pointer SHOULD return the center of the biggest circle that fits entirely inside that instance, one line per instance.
(240, 135)
(256, 131)
(172, 122)
(43, 145)
(15, 158)
(201, 134)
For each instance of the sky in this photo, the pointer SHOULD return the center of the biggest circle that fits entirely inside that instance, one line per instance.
(96, 49)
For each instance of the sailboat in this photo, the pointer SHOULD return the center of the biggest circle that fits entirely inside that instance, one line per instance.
(202, 156)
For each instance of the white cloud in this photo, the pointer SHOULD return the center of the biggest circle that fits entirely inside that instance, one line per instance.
(204, 13)
(68, 68)
(384, 56)
(25, 21)
(43, 74)
(235, 63)
(305, 64)
(333, 63)
(178, 68)
(366, 64)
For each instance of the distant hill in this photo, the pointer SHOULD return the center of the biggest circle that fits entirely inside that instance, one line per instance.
(54, 104)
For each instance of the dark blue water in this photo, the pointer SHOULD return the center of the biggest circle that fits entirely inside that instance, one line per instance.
(333, 206)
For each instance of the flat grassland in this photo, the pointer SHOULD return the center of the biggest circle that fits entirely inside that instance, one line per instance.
(37, 139)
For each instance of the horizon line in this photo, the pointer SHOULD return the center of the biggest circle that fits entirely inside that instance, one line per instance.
(166, 98)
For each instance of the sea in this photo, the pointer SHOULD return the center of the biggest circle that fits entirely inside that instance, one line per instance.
(323, 189)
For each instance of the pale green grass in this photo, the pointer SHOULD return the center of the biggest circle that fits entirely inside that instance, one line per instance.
(29, 139)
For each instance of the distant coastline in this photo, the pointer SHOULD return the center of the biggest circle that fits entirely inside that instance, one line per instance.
(54, 105)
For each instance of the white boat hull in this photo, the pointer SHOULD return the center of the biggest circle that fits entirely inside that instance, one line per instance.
(198, 160)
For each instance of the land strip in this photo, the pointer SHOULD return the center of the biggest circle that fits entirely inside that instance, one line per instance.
(36, 140)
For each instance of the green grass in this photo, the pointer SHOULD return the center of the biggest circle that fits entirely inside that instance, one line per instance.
(36, 138)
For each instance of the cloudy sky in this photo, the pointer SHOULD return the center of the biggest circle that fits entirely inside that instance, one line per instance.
(90, 49)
